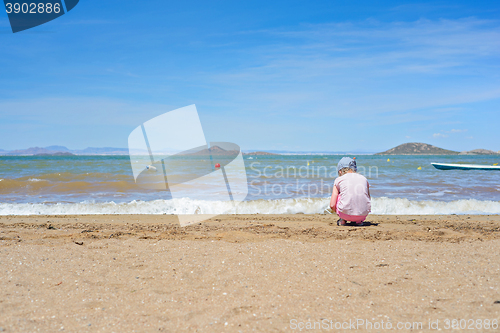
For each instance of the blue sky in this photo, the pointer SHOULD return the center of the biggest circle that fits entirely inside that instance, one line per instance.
(287, 75)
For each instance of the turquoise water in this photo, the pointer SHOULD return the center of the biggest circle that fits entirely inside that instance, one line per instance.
(108, 179)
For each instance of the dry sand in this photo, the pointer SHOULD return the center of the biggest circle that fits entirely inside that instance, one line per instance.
(262, 273)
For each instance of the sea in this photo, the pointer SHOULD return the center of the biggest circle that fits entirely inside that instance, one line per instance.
(277, 184)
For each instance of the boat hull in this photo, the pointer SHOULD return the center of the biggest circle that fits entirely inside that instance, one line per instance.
(447, 166)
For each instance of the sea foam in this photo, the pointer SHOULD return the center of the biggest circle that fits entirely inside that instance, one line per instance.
(382, 205)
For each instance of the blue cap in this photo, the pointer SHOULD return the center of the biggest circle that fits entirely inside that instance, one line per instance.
(347, 162)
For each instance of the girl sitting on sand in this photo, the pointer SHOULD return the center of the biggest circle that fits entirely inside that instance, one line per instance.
(351, 194)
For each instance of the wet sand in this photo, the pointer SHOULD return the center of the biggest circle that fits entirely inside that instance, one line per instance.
(268, 273)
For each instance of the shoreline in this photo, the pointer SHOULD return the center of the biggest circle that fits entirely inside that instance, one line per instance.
(253, 227)
(235, 273)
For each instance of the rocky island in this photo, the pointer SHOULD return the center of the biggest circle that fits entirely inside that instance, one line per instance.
(260, 153)
(480, 152)
(417, 148)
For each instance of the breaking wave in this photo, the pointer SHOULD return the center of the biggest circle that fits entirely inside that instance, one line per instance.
(382, 205)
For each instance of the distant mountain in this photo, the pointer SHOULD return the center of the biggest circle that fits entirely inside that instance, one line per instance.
(479, 152)
(30, 151)
(57, 148)
(412, 148)
(265, 153)
(101, 151)
(52, 150)
(416, 148)
(215, 150)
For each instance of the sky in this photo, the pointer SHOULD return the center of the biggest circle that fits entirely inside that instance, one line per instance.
(267, 75)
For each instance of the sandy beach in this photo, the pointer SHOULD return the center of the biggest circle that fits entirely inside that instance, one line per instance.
(265, 273)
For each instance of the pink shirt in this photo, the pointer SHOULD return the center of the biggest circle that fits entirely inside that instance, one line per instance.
(354, 197)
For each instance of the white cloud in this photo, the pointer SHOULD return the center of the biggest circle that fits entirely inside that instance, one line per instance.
(395, 67)
(452, 131)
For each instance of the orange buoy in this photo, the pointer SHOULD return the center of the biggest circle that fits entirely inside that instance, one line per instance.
(217, 165)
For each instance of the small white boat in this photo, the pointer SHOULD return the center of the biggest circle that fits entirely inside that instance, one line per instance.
(449, 166)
